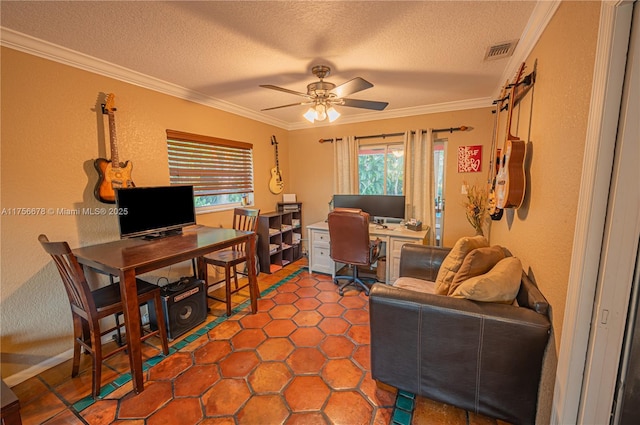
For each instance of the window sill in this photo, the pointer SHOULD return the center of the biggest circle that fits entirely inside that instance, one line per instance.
(219, 208)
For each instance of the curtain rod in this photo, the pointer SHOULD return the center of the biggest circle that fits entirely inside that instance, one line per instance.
(375, 136)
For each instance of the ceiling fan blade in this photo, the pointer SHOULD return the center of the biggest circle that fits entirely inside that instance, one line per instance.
(366, 104)
(269, 86)
(352, 86)
(286, 106)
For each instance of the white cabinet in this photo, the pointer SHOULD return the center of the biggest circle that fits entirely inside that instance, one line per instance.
(319, 259)
(393, 257)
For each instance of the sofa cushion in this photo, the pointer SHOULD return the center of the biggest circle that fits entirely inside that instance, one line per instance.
(477, 262)
(500, 284)
(452, 262)
(415, 284)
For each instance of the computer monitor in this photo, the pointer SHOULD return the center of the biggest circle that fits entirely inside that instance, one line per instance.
(154, 211)
(379, 207)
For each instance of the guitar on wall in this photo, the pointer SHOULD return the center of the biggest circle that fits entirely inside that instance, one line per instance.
(494, 166)
(510, 181)
(113, 173)
(276, 185)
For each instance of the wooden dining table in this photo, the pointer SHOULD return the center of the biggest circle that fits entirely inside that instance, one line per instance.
(126, 258)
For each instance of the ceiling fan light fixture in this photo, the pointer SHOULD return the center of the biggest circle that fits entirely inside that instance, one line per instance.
(322, 95)
(333, 114)
(321, 112)
(310, 115)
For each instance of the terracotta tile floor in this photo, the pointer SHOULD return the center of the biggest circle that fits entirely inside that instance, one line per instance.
(302, 359)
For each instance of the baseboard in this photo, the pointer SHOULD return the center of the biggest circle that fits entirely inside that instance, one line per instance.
(37, 369)
(34, 370)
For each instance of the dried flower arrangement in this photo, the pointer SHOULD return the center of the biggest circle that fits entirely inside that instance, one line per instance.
(476, 204)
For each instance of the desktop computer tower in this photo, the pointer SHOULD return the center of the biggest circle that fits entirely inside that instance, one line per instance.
(184, 304)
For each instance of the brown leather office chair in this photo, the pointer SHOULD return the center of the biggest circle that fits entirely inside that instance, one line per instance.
(243, 219)
(88, 307)
(350, 244)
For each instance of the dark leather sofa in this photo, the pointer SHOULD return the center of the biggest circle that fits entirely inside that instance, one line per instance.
(481, 357)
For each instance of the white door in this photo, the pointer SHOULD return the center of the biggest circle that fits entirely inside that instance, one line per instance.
(619, 251)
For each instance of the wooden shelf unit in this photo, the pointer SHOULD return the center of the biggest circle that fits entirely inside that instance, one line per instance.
(278, 244)
(295, 208)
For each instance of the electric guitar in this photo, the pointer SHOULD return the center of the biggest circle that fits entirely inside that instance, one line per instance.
(510, 181)
(113, 174)
(494, 165)
(276, 185)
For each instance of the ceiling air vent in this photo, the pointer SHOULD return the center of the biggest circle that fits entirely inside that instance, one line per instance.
(501, 50)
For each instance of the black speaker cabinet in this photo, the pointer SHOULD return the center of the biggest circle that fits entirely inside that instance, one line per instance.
(184, 304)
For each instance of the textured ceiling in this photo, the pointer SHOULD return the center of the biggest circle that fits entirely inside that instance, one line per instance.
(420, 55)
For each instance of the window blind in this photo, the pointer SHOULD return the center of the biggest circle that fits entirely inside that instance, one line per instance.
(213, 166)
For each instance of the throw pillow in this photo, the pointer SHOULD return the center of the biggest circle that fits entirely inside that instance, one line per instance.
(415, 284)
(500, 284)
(477, 262)
(453, 261)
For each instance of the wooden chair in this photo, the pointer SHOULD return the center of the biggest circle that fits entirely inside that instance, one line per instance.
(243, 219)
(10, 408)
(88, 307)
(350, 244)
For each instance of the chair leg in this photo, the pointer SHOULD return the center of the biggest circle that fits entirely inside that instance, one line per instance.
(341, 286)
(359, 281)
(235, 276)
(227, 286)
(86, 333)
(96, 346)
(162, 327)
(353, 279)
(77, 348)
(118, 335)
(205, 276)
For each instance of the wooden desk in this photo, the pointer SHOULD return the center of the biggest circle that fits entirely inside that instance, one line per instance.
(127, 258)
(392, 239)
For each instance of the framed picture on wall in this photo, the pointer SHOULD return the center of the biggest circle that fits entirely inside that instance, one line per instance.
(470, 159)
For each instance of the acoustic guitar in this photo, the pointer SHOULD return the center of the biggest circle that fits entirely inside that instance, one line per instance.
(494, 165)
(276, 185)
(113, 174)
(510, 181)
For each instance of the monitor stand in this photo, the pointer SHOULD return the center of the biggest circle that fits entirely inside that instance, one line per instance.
(164, 234)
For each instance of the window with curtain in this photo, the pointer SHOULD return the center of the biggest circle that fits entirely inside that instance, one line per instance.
(381, 169)
(438, 171)
(220, 170)
(439, 160)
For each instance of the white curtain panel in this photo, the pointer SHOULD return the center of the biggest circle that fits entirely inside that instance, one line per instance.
(419, 179)
(345, 172)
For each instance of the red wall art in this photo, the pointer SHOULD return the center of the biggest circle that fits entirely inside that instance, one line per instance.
(470, 159)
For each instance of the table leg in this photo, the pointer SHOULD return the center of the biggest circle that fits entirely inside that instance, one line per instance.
(201, 269)
(254, 291)
(129, 294)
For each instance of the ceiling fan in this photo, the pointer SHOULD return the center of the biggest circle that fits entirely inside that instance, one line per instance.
(322, 96)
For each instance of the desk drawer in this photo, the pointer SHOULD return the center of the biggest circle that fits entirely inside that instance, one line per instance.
(321, 260)
(393, 257)
(396, 245)
(322, 237)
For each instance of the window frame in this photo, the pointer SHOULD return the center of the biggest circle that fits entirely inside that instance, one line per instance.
(387, 145)
(240, 153)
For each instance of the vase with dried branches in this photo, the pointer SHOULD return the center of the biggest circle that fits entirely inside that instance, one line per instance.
(476, 203)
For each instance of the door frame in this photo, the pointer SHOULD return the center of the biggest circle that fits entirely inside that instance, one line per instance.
(572, 391)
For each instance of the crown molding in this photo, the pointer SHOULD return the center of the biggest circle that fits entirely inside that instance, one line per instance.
(37, 47)
(541, 15)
